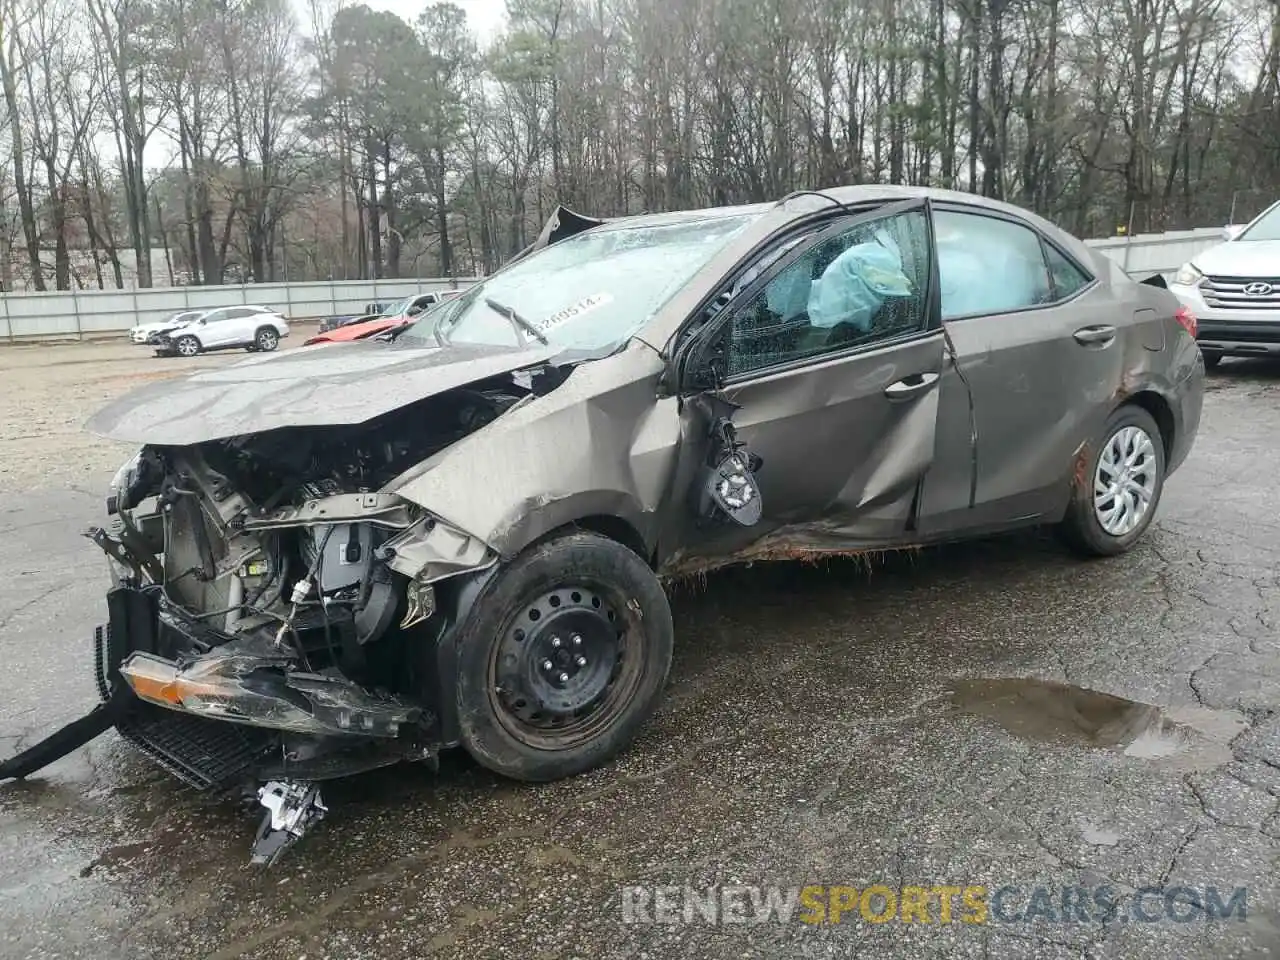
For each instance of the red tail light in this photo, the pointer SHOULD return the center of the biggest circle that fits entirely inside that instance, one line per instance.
(1187, 319)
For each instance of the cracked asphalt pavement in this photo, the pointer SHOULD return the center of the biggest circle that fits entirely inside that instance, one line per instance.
(934, 721)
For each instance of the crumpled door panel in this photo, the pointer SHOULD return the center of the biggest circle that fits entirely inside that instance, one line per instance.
(839, 460)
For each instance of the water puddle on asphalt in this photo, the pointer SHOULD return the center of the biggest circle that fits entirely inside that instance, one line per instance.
(1190, 738)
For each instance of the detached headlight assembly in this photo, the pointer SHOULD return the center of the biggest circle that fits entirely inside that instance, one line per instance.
(1188, 276)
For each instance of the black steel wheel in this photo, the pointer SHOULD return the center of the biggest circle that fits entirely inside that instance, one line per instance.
(561, 669)
(562, 658)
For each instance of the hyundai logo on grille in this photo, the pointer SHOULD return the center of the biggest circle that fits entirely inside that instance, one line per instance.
(1258, 289)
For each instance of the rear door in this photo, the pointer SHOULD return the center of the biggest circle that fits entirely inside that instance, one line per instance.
(1039, 350)
(835, 382)
(240, 326)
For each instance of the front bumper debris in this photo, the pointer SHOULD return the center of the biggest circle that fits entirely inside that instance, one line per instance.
(293, 807)
(235, 714)
(74, 735)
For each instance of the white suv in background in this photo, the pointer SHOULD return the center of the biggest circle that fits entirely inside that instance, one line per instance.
(247, 327)
(1234, 291)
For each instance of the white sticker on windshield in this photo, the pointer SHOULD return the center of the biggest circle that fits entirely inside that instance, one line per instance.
(585, 305)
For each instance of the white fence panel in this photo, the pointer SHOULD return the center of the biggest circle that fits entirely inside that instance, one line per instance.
(78, 313)
(1147, 253)
(96, 312)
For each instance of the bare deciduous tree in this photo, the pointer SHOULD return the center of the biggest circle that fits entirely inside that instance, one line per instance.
(373, 145)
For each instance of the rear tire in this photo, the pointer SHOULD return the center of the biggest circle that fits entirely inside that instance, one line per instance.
(1106, 515)
(1211, 359)
(187, 346)
(562, 658)
(266, 339)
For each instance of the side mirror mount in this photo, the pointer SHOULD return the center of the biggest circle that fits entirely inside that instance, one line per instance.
(707, 368)
(1233, 230)
(728, 490)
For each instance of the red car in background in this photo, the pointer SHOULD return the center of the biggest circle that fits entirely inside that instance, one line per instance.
(397, 315)
(358, 329)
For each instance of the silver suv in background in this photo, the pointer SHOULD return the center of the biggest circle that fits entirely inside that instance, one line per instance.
(249, 327)
(1234, 291)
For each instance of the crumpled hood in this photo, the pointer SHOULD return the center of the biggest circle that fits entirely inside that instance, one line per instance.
(1241, 258)
(330, 385)
(160, 326)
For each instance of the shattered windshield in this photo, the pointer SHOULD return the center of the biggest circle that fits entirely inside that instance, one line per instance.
(588, 292)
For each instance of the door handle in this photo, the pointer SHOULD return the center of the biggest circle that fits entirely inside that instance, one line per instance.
(1095, 335)
(910, 386)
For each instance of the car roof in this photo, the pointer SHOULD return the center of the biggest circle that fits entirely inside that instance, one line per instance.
(233, 306)
(674, 217)
(778, 217)
(805, 202)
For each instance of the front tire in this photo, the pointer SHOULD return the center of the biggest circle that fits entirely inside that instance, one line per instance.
(1114, 501)
(187, 346)
(562, 658)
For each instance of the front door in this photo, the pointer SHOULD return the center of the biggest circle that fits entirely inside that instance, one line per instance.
(833, 362)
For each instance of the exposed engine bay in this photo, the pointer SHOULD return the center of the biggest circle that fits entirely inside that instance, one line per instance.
(285, 533)
(276, 617)
(286, 529)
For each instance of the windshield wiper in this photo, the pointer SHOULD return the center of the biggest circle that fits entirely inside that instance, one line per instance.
(518, 321)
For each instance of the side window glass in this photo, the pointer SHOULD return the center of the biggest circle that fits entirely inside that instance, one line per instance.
(859, 286)
(215, 315)
(988, 265)
(1067, 277)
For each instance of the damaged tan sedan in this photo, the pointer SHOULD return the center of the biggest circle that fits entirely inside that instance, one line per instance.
(338, 558)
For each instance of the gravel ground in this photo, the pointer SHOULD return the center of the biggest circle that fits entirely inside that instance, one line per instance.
(997, 714)
(51, 389)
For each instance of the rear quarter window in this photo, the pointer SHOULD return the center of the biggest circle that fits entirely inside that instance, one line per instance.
(1068, 279)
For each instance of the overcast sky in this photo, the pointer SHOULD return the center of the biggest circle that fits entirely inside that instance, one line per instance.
(486, 17)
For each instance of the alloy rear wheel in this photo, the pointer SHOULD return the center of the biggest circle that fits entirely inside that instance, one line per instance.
(266, 340)
(1115, 495)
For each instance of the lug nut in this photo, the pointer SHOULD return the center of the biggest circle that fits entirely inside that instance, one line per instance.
(555, 642)
(547, 664)
(577, 640)
(581, 661)
(564, 678)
